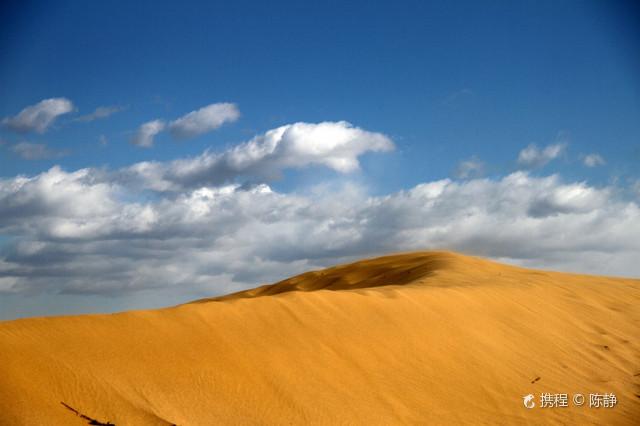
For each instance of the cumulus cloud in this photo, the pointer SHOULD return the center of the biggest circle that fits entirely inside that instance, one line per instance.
(35, 151)
(472, 167)
(100, 112)
(593, 160)
(81, 232)
(336, 145)
(39, 117)
(532, 156)
(203, 120)
(145, 133)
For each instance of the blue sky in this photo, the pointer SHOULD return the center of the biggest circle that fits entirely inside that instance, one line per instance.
(447, 83)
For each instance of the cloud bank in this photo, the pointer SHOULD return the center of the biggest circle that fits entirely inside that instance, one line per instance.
(77, 232)
(39, 117)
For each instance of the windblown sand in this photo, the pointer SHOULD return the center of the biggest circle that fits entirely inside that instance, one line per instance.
(419, 338)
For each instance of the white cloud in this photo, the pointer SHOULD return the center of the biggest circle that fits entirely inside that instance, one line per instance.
(100, 112)
(145, 133)
(39, 117)
(593, 160)
(80, 232)
(532, 156)
(203, 120)
(35, 151)
(472, 167)
(336, 145)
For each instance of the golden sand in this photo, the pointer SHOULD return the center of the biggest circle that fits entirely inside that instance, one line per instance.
(418, 338)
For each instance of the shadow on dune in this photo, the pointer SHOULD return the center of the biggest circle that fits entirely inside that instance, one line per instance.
(400, 269)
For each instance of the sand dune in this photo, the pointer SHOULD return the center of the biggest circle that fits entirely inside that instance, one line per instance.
(418, 338)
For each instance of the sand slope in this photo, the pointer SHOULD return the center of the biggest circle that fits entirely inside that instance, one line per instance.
(418, 338)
